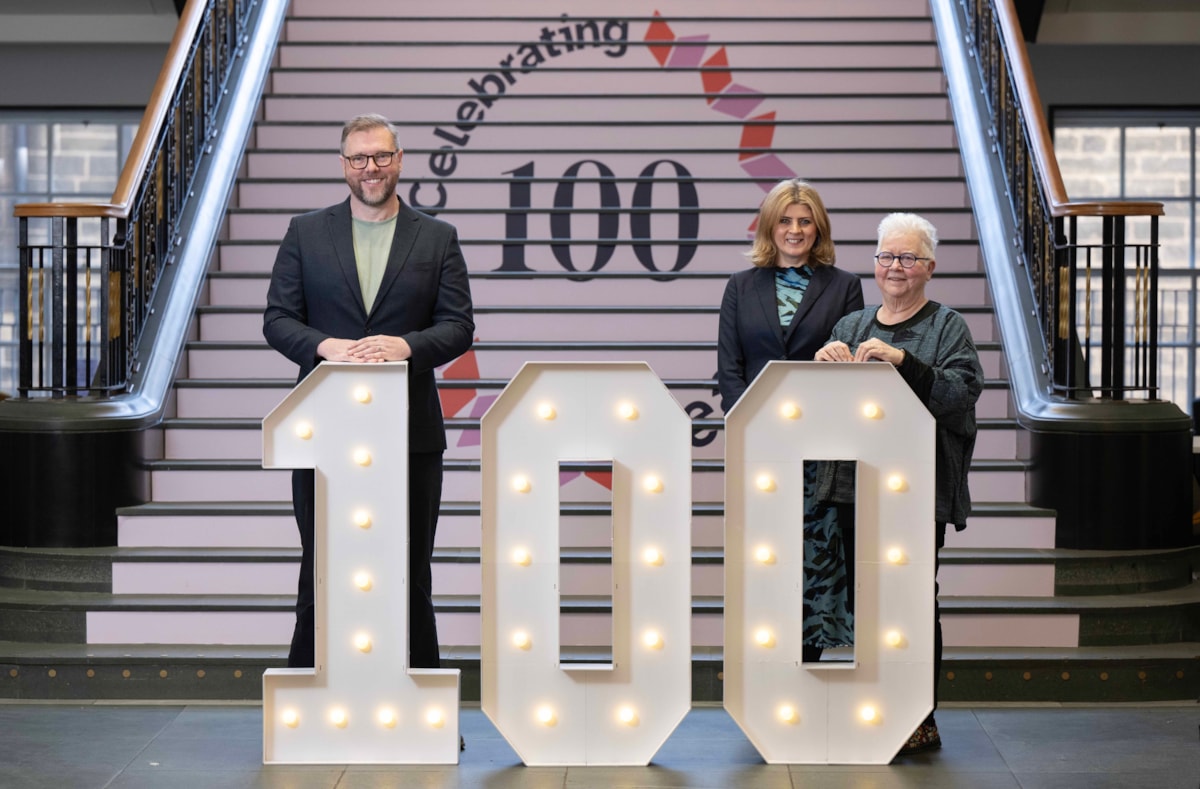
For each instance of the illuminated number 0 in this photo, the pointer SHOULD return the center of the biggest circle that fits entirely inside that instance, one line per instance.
(556, 714)
(796, 712)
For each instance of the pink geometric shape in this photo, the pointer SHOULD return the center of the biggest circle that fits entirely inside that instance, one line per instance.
(470, 438)
(738, 101)
(482, 404)
(687, 56)
(767, 170)
(566, 476)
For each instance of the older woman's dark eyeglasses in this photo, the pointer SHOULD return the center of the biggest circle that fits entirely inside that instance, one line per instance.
(885, 259)
(382, 159)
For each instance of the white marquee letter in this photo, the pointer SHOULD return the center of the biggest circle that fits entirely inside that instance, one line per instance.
(861, 713)
(570, 715)
(359, 705)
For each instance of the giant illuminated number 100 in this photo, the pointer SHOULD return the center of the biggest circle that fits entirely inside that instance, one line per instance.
(795, 712)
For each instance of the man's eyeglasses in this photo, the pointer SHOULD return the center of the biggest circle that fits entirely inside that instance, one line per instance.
(906, 260)
(382, 159)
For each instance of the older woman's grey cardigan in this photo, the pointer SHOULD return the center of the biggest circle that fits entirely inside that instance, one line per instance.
(942, 367)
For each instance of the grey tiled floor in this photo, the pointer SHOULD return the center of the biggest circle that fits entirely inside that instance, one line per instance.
(81, 746)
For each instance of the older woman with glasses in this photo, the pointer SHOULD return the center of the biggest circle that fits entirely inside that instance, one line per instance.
(930, 346)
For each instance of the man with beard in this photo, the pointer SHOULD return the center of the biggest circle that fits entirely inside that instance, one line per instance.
(372, 280)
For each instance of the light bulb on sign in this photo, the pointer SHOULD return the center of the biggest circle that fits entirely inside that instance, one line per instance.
(627, 715)
(387, 718)
(895, 556)
(304, 430)
(868, 714)
(871, 411)
(521, 640)
(521, 483)
(627, 411)
(362, 519)
(546, 716)
(521, 556)
(895, 483)
(435, 718)
(362, 394)
(764, 483)
(789, 411)
(363, 581)
(652, 556)
(546, 411)
(764, 555)
(652, 484)
(893, 638)
(764, 637)
(787, 713)
(362, 457)
(362, 642)
(652, 639)
(338, 718)
(290, 718)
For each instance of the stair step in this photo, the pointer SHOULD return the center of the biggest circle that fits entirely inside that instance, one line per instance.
(925, 179)
(432, 32)
(250, 289)
(257, 256)
(1139, 673)
(615, 324)
(271, 524)
(1101, 620)
(803, 54)
(246, 480)
(728, 228)
(679, 360)
(230, 398)
(511, 132)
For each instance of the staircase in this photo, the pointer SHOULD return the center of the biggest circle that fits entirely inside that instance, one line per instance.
(197, 598)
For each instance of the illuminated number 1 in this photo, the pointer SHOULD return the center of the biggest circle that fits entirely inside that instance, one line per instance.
(360, 704)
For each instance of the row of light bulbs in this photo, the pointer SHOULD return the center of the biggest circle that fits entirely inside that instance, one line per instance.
(386, 717)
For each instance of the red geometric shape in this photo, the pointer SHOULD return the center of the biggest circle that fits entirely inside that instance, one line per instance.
(602, 477)
(716, 75)
(659, 31)
(757, 138)
(455, 400)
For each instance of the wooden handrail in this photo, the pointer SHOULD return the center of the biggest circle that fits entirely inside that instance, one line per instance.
(1040, 145)
(1026, 88)
(1106, 208)
(147, 134)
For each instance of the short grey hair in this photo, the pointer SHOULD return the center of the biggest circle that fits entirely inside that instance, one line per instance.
(366, 123)
(910, 223)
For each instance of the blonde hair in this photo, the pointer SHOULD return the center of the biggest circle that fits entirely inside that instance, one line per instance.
(782, 196)
(909, 223)
(368, 122)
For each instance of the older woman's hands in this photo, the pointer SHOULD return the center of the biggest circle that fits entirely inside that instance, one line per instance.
(875, 348)
(836, 351)
(870, 350)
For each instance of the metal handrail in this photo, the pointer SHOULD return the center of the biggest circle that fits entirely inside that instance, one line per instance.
(84, 306)
(1117, 279)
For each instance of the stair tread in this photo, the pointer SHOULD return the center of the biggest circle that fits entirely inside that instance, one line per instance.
(211, 508)
(1188, 596)
(22, 651)
(471, 464)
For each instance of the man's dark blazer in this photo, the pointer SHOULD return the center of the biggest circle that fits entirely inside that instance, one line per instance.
(424, 298)
(750, 334)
